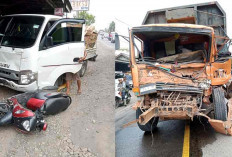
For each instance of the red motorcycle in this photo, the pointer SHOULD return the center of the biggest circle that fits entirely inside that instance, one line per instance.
(26, 111)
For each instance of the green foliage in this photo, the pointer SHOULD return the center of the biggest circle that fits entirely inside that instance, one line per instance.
(89, 18)
(112, 27)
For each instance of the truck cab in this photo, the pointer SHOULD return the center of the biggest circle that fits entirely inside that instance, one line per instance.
(37, 50)
(181, 70)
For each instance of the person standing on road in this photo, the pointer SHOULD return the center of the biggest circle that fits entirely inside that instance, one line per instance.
(76, 76)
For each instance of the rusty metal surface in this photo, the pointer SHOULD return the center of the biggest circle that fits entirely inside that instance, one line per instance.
(171, 105)
(154, 75)
(187, 112)
(171, 86)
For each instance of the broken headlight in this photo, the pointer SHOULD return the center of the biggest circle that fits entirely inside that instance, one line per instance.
(26, 125)
(27, 77)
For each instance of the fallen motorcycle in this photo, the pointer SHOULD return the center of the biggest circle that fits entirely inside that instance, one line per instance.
(26, 111)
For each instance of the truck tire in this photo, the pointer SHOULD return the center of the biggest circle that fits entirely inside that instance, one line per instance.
(220, 106)
(60, 81)
(151, 124)
(83, 68)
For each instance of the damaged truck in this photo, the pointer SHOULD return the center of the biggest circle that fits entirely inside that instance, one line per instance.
(182, 68)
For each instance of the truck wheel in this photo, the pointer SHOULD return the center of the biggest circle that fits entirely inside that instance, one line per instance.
(60, 81)
(151, 124)
(83, 68)
(220, 106)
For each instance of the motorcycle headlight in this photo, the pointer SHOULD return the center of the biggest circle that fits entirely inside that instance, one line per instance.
(26, 125)
(27, 76)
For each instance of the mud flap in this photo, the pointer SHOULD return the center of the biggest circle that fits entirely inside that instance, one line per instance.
(224, 127)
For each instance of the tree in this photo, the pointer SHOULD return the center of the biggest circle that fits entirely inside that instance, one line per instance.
(112, 27)
(106, 30)
(89, 18)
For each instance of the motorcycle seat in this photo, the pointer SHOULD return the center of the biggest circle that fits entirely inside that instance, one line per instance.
(46, 95)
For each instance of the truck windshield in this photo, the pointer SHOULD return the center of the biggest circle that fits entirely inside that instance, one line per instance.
(172, 47)
(21, 32)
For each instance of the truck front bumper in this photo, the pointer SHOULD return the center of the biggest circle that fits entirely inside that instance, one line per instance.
(22, 88)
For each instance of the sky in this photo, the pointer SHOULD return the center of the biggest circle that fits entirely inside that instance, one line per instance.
(129, 13)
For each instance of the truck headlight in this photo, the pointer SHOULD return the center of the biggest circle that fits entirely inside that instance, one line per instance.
(27, 77)
(26, 125)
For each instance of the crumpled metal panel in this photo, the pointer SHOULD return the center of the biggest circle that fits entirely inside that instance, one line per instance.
(224, 127)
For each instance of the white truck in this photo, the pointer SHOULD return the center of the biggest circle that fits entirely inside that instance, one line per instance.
(37, 51)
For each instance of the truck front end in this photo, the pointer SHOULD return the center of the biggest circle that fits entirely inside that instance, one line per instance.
(19, 51)
(177, 74)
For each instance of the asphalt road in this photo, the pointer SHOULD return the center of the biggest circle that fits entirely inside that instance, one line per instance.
(167, 140)
(107, 42)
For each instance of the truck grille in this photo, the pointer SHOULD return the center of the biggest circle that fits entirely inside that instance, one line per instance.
(9, 74)
(177, 87)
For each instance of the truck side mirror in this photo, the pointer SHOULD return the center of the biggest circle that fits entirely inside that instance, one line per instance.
(117, 42)
(49, 41)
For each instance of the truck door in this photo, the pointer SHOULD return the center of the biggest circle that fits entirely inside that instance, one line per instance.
(56, 56)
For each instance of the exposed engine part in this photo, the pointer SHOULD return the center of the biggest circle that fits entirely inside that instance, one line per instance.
(173, 104)
(178, 99)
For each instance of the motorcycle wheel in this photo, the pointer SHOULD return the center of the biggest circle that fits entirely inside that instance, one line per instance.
(128, 99)
(125, 102)
(4, 109)
(117, 103)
